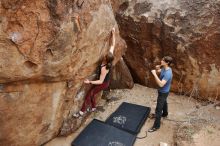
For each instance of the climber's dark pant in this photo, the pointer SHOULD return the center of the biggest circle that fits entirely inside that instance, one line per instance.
(161, 109)
(90, 97)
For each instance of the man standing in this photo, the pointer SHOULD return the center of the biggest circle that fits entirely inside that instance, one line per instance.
(164, 83)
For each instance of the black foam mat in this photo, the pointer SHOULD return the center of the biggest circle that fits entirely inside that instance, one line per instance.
(98, 133)
(129, 117)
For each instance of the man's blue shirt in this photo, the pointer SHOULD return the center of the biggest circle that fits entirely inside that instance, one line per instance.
(166, 75)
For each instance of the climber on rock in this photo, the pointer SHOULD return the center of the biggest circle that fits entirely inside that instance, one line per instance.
(164, 82)
(103, 81)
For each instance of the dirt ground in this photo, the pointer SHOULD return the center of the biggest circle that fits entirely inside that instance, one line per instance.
(190, 123)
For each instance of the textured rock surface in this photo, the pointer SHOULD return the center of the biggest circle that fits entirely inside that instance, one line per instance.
(189, 31)
(31, 113)
(121, 77)
(47, 49)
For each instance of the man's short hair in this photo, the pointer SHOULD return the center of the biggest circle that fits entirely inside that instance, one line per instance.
(168, 59)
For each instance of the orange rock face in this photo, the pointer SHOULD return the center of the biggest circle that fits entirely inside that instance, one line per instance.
(187, 31)
(47, 49)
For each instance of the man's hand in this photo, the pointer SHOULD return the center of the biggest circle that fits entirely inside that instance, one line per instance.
(157, 67)
(87, 81)
(153, 72)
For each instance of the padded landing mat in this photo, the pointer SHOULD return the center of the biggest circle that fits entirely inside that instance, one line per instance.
(98, 133)
(129, 117)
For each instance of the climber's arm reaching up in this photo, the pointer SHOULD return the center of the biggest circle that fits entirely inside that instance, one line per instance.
(112, 47)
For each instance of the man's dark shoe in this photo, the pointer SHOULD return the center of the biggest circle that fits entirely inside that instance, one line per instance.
(165, 116)
(153, 116)
(153, 129)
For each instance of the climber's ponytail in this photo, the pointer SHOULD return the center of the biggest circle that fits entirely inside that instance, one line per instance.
(109, 60)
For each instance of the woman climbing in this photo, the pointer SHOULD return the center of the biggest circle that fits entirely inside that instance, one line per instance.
(103, 81)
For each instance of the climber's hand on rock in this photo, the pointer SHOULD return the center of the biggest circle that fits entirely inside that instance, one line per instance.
(113, 30)
(86, 81)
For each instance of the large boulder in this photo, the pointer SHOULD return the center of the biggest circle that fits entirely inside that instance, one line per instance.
(187, 31)
(47, 49)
